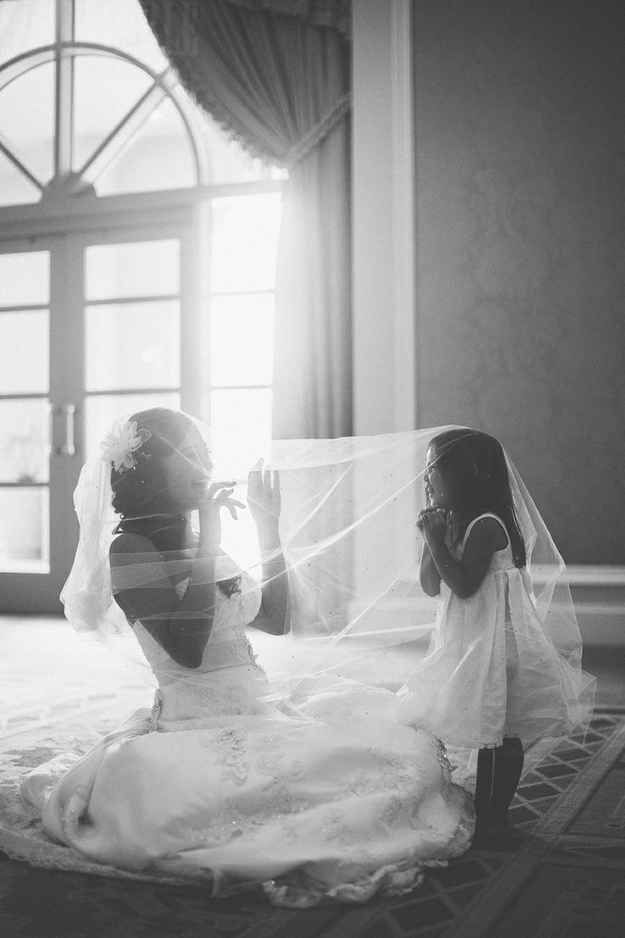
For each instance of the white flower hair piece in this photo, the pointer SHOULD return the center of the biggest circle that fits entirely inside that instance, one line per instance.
(119, 446)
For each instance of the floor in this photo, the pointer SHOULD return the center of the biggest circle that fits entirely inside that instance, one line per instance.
(567, 880)
(46, 670)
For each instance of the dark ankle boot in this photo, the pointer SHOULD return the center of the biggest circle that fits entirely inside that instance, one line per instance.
(508, 767)
(484, 789)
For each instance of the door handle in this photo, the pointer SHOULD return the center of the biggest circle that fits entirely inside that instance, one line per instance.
(68, 413)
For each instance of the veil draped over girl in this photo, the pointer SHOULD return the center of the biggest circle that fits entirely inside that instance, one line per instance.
(347, 526)
(306, 762)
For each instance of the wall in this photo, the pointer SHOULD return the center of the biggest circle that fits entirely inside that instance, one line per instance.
(383, 217)
(520, 163)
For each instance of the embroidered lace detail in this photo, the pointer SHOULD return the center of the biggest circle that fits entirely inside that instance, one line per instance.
(301, 890)
(155, 712)
(232, 748)
(441, 755)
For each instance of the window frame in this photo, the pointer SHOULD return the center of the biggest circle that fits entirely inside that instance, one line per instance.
(67, 210)
(70, 205)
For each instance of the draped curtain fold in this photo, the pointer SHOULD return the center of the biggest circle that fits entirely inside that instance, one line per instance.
(332, 13)
(276, 76)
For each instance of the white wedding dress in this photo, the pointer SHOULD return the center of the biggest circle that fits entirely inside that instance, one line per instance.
(332, 798)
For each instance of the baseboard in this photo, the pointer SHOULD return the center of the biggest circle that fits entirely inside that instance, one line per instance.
(598, 593)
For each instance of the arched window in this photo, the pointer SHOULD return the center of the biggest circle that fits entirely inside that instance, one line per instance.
(137, 266)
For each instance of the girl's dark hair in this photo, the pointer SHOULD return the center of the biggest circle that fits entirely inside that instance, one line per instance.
(473, 465)
(140, 494)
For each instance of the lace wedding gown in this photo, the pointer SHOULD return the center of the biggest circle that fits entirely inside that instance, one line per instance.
(332, 798)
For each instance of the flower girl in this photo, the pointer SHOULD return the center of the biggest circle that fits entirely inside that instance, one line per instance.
(494, 678)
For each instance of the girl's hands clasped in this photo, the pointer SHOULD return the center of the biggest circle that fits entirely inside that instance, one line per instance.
(433, 522)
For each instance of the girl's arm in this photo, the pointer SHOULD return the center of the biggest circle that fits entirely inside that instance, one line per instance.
(429, 577)
(180, 626)
(464, 577)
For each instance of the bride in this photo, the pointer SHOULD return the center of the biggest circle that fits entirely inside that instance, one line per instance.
(229, 782)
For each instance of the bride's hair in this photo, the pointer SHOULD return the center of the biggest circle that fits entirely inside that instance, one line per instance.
(473, 465)
(140, 493)
(141, 490)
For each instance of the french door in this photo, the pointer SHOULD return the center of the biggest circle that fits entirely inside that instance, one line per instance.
(93, 325)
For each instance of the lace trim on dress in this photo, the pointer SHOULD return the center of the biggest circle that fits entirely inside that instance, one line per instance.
(300, 889)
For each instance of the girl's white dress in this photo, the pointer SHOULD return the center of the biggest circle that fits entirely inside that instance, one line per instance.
(491, 669)
(333, 799)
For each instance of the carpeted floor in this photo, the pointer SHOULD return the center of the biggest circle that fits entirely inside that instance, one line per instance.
(566, 880)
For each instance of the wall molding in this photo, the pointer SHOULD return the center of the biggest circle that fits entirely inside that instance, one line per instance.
(600, 575)
(598, 592)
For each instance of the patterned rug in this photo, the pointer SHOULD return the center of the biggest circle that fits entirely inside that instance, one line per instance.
(567, 880)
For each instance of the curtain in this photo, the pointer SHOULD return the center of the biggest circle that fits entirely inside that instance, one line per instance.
(333, 13)
(276, 76)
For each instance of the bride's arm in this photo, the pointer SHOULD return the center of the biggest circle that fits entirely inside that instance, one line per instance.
(273, 614)
(144, 592)
(264, 503)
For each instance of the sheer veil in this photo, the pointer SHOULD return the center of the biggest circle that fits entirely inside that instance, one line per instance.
(352, 550)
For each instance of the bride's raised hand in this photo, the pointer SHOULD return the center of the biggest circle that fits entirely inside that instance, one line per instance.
(218, 495)
(264, 500)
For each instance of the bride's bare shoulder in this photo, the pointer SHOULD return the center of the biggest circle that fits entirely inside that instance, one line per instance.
(130, 547)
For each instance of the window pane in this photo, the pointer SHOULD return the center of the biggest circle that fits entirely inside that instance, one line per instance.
(24, 352)
(25, 25)
(240, 424)
(133, 345)
(157, 157)
(15, 188)
(24, 278)
(139, 268)
(102, 411)
(24, 530)
(245, 232)
(27, 119)
(241, 339)
(119, 23)
(105, 90)
(24, 440)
